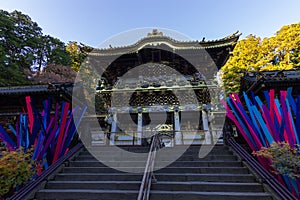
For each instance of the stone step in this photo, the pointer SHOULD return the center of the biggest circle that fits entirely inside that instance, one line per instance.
(95, 163)
(238, 178)
(195, 153)
(94, 185)
(170, 155)
(194, 195)
(159, 157)
(138, 148)
(162, 152)
(165, 156)
(208, 158)
(177, 149)
(195, 149)
(103, 169)
(219, 175)
(86, 194)
(112, 158)
(216, 170)
(206, 186)
(200, 164)
(116, 149)
(98, 177)
(132, 194)
(161, 185)
(126, 148)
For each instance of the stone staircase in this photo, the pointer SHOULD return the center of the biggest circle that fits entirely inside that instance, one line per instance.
(219, 175)
(87, 178)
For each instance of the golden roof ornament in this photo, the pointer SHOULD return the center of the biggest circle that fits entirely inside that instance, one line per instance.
(155, 33)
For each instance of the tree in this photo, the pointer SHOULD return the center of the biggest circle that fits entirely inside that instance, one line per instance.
(245, 57)
(23, 46)
(78, 53)
(280, 52)
(53, 74)
(286, 47)
(285, 159)
(15, 54)
(50, 51)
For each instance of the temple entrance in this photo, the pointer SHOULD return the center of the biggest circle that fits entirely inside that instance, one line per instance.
(167, 134)
(164, 84)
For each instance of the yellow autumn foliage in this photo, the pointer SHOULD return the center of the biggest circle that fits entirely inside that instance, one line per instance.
(16, 169)
(279, 52)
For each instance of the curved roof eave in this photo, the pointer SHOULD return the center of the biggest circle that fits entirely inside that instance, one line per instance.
(174, 44)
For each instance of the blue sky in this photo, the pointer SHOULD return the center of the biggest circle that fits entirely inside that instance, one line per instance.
(93, 21)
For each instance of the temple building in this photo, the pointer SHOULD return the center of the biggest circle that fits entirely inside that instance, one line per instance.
(161, 84)
(12, 99)
(258, 82)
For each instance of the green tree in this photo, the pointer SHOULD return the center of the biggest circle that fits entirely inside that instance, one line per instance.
(58, 54)
(280, 52)
(50, 51)
(23, 46)
(14, 54)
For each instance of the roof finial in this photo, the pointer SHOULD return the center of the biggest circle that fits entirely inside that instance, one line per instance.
(155, 33)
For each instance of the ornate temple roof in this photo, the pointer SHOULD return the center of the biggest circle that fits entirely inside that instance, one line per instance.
(156, 38)
(12, 99)
(278, 80)
(37, 89)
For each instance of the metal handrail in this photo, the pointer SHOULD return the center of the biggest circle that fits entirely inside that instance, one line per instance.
(21, 194)
(144, 191)
(266, 177)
